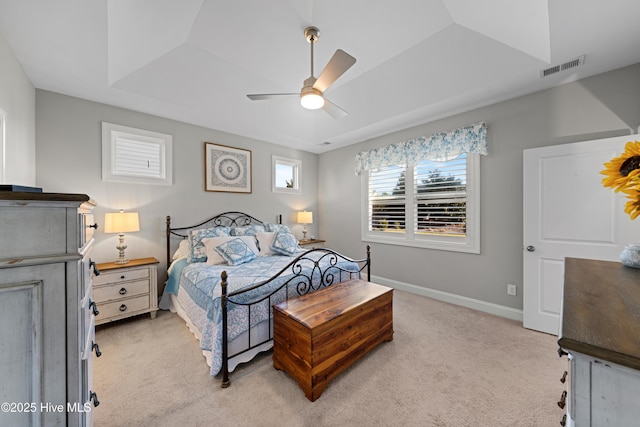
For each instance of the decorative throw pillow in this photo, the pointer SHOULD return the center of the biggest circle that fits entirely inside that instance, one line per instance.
(249, 230)
(284, 243)
(214, 257)
(274, 228)
(264, 243)
(196, 248)
(235, 252)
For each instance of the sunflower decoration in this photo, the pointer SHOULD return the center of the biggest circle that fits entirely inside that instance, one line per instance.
(623, 174)
(632, 207)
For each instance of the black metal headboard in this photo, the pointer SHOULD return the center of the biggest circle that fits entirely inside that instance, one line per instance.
(226, 219)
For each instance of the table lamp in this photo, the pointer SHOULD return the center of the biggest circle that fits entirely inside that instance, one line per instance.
(121, 222)
(305, 218)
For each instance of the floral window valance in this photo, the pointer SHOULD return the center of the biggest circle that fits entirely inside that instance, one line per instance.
(444, 145)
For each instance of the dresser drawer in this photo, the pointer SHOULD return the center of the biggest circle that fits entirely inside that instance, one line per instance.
(89, 340)
(120, 290)
(123, 275)
(124, 307)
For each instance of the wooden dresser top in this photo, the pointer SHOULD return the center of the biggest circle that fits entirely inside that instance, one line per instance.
(601, 311)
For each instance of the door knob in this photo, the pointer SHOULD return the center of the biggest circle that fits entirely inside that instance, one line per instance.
(531, 248)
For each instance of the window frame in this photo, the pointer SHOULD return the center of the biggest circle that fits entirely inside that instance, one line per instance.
(111, 133)
(470, 243)
(296, 166)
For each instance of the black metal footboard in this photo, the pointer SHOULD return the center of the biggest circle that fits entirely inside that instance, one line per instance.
(312, 270)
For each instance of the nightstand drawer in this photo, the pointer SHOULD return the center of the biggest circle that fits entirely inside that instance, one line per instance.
(121, 276)
(124, 307)
(120, 290)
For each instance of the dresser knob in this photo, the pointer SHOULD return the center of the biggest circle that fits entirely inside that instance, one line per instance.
(123, 307)
(564, 377)
(92, 264)
(122, 291)
(94, 397)
(563, 400)
(122, 277)
(563, 421)
(93, 306)
(96, 347)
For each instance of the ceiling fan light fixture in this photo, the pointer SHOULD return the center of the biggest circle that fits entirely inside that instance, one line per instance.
(311, 99)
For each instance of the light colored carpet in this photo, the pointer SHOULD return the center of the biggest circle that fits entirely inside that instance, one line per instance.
(447, 366)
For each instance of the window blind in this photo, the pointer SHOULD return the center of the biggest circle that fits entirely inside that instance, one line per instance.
(440, 197)
(387, 198)
(137, 158)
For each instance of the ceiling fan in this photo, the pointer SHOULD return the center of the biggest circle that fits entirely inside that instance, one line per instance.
(311, 95)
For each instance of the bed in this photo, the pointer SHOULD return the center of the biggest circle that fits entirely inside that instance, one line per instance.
(226, 273)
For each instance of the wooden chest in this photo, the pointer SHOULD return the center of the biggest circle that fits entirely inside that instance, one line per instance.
(319, 335)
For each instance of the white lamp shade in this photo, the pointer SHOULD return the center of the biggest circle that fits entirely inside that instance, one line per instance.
(121, 222)
(305, 217)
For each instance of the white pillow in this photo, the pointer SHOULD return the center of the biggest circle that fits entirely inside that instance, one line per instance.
(210, 244)
(265, 239)
(182, 251)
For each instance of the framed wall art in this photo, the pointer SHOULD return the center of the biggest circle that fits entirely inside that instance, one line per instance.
(227, 169)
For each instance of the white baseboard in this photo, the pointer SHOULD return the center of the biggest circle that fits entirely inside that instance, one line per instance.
(487, 307)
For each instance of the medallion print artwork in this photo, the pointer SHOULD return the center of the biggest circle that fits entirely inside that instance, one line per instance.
(227, 169)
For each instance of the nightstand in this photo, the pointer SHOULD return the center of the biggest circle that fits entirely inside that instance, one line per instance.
(314, 244)
(124, 290)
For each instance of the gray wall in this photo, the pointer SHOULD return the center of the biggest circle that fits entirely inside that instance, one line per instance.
(68, 135)
(68, 159)
(601, 106)
(17, 99)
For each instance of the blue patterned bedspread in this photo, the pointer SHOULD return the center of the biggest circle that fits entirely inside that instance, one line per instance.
(202, 283)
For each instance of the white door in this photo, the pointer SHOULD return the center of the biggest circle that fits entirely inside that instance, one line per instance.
(568, 213)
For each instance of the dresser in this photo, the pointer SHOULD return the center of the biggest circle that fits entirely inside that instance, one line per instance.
(124, 290)
(47, 314)
(600, 332)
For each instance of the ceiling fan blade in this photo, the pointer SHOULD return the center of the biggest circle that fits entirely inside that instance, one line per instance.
(339, 63)
(262, 96)
(333, 110)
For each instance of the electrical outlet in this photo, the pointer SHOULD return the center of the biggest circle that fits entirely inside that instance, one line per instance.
(511, 289)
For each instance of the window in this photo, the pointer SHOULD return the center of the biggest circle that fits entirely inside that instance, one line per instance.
(431, 204)
(136, 155)
(286, 175)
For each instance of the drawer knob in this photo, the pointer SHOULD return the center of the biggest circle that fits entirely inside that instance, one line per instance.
(563, 400)
(122, 291)
(92, 264)
(96, 347)
(93, 306)
(94, 397)
(564, 377)
(122, 277)
(123, 307)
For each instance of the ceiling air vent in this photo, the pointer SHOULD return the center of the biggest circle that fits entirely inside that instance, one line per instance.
(562, 67)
